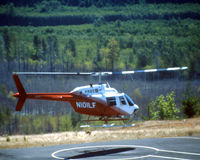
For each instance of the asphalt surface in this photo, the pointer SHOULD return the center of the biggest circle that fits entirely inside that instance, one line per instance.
(179, 148)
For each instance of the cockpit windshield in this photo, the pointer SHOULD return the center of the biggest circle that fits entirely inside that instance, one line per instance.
(129, 100)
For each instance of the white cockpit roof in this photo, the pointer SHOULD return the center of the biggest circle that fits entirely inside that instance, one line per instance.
(96, 89)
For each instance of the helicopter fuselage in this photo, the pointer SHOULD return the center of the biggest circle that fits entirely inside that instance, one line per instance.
(102, 100)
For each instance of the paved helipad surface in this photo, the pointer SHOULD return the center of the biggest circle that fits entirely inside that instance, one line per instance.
(179, 148)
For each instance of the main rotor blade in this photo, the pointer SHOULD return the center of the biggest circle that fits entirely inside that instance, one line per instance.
(64, 73)
(54, 73)
(103, 73)
(151, 70)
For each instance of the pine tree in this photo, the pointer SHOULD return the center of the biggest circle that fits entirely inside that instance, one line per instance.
(113, 52)
(72, 47)
(36, 45)
(7, 43)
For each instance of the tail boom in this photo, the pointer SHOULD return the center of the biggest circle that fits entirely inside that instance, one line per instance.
(51, 96)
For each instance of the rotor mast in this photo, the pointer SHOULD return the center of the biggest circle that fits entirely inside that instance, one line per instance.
(99, 77)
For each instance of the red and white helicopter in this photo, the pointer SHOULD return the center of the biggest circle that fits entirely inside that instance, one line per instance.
(93, 100)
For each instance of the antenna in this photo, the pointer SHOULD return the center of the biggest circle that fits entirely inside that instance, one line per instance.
(107, 85)
(99, 77)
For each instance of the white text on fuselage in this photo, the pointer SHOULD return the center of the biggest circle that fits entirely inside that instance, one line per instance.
(86, 105)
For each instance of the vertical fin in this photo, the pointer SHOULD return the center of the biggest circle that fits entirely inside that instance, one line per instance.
(19, 85)
(22, 93)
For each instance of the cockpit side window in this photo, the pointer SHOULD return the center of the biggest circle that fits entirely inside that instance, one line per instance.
(122, 100)
(129, 100)
(111, 101)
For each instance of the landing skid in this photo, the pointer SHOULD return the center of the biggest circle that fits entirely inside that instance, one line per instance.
(106, 120)
(106, 126)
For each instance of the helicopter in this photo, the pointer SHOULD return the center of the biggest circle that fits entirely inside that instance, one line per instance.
(98, 100)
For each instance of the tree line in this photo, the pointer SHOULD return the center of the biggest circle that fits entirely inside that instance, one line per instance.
(98, 3)
(47, 14)
(12, 20)
(8, 20)
(91, 47)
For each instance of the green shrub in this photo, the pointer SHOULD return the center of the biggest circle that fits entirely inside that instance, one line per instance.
(164, 107)
(191, 102)
(7, 139)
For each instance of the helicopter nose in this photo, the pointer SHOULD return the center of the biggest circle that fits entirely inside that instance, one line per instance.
(136, 106)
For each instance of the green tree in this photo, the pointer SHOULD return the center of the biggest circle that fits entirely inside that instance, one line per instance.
(48, 6)
(8, 120)
(113, 53)
(2, 119)
(65, 123)
(6, 117)
(10, 10)
(4, 90)
(72, 47)
(190, 102)
(52, 49)
(96, 61)
(164, 107)
(43, 49)
(36, 45)
(99, 21)
(142, 60)
(7, 43)
(1, 48)
(104, 59)
(76, 118)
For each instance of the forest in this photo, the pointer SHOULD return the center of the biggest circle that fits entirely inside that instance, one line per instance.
(94, 35)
